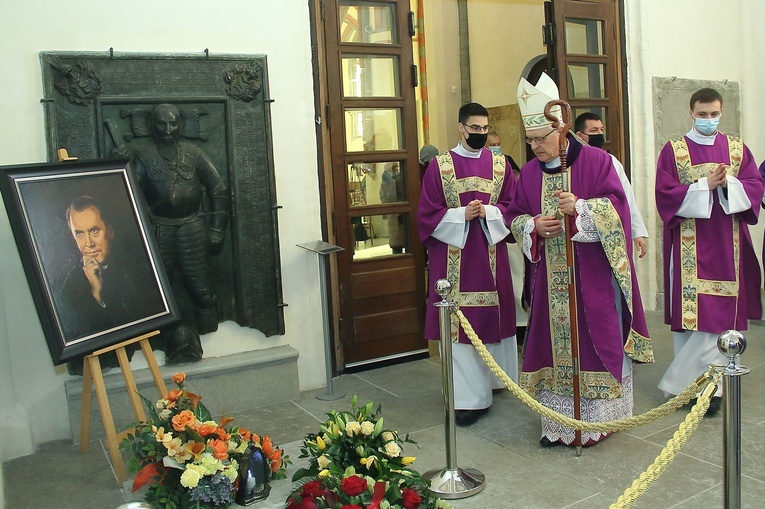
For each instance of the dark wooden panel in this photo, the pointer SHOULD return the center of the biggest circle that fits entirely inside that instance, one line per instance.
(386, 325)
(365, 285)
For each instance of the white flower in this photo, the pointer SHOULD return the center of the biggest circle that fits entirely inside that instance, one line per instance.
(392, 449)
(323, 461)
(387, 436)
(352, 428)
(165, 414)
(367, 428)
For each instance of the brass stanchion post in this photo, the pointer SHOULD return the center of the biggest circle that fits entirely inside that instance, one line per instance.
(450, 482)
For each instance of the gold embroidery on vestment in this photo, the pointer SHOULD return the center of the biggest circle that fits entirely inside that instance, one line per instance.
(691, 285)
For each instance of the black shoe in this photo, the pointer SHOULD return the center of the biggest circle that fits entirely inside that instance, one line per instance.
(714, 406)
(546, 442)
(468, 417)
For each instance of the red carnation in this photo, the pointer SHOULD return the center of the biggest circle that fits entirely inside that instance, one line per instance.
(353, 485)
(411, 499)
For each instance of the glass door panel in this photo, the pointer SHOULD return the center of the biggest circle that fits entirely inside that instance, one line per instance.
(584, 37)
(370, 76)
(373, 129)
(380, 235)
(375, 183)
(367, 22)
(586, 81)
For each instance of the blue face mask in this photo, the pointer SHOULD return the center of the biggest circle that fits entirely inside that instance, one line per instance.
(706, 126)
(496, 149)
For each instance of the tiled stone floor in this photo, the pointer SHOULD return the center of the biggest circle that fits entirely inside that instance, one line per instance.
(504, 445)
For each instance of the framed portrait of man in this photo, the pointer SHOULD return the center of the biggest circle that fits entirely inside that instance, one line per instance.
(88, 254)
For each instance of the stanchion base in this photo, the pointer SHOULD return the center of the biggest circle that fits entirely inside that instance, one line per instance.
(456, 483)
(330, 396)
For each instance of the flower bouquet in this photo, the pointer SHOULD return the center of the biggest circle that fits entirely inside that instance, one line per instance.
(355, 463)
(188, 459)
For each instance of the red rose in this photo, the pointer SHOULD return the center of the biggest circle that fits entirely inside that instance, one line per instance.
(353, 485)
(304, 503)
(313, 489)
(411, 499)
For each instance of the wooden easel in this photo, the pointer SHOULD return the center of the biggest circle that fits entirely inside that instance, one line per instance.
(93, 377)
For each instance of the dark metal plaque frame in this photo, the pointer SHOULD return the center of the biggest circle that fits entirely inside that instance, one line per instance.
(95, 102)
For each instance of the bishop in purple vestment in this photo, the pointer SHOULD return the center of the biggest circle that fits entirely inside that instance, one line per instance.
(611, 327)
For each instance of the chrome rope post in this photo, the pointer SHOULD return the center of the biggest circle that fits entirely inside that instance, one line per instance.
(731, 344)
(450, 482)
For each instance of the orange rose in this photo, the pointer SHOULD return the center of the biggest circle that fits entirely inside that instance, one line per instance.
(179, 378)
(223, 434)
(183, 419)
(205, 429)
(174, 395)
(267, 445)
(219, 449)
(245, 435)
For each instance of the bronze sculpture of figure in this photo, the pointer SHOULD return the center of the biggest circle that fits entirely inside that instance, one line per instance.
(174, 177)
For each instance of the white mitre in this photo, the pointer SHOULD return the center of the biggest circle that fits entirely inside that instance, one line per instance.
(533, 99)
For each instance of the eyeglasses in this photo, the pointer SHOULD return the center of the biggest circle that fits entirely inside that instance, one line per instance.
(479, 128)
(538, 139)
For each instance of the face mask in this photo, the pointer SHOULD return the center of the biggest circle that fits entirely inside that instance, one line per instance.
(476, 140)
(706, 126)
(496, 149)
(597, 140)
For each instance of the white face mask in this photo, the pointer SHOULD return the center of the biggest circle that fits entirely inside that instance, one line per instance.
(496, 149)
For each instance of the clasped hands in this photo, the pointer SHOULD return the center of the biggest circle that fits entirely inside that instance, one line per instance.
(552, 226)
(718, 177)
(474, 209)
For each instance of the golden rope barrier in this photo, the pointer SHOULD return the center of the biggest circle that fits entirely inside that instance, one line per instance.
(679, 438)
(602, 427)
(667, 455)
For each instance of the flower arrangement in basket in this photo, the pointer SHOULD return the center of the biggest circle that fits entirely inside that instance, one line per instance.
(188, 459)
(355, 463)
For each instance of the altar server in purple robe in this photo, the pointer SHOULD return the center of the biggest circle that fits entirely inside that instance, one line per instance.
(612, 331)
(708, 192)
(465, 193)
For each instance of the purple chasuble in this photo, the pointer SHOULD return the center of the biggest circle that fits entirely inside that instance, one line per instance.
(474, 180)
(603, 339)
(705, 269)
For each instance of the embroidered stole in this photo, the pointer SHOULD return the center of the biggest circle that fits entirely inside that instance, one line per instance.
(559, 377)
(453, 188)
(692, 286)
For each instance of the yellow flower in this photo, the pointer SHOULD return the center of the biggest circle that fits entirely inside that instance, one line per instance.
(369, 461)
(174, 446)
(190, 477)
(161, 436)
(408, 460)
(387, 436)
(323, 461)
(320, 443)
(324, 473)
